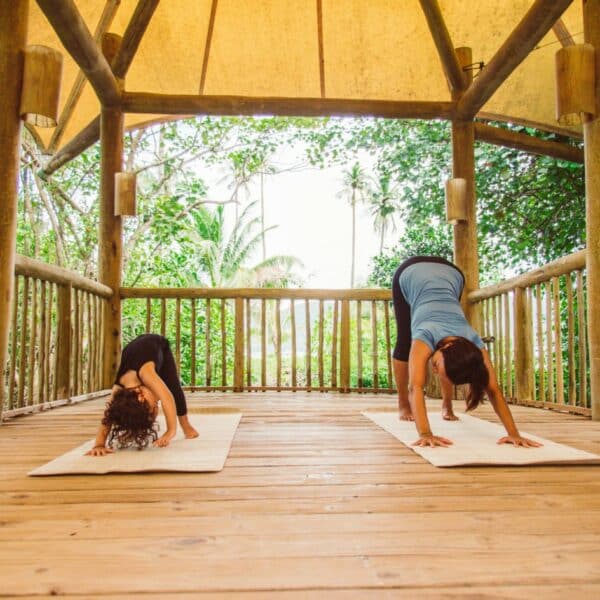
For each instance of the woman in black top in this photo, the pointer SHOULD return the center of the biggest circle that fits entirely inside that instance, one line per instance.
(147, 374)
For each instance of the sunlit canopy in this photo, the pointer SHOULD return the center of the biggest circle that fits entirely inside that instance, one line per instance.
(380, 49)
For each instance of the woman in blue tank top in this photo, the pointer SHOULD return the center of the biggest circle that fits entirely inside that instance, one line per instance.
(431, 325)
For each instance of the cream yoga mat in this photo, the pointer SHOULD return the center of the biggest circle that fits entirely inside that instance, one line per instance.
(204, 453)
(475, 443)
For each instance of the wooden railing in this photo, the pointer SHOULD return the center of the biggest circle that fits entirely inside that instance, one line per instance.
(55, 337)
(269, 339)
(538, 322)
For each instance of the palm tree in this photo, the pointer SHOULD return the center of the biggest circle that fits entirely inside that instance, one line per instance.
(222, 258)
(383, 198)
(354, 184)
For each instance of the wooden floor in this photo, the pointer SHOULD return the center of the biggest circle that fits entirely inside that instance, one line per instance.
(314, 502)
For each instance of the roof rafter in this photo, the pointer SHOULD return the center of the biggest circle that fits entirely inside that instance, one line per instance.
(78, 41)
(535, 24)
(441, 37)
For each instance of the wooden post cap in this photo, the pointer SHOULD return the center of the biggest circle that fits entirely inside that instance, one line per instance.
(42, 70)
(456, 200)
(125, 192)
(575, 80)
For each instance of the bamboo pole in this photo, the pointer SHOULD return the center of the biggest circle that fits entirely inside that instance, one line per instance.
(263, 342)
(345, 347)
(523, 358)
(293, 342)
(388, 343)
(75, 343)
(208, 356)
(178, 335)
(560, 389)
(238, 343)
(50, 380)
(32, 373)
(42, 338)
(308, 355)
(548, 290)
(193, 344)
(278, 341)
(163, 316)
(148, 315)
(507, 346)
(463, 166)
(23, 343)
(334, 345)
(374, 353)
(13, 345)
(321, 346)
(540, 343)
(223, 345)
(13, 37)
(581, 334)
(572, 391)
(591, 138)
(63, 343)
(248, 343)
(359, 357)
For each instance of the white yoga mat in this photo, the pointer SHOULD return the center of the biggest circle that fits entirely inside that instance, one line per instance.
(475, 443)
(204, 453)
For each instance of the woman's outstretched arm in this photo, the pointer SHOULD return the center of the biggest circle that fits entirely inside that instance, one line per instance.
(100, 448)
(417, 377)
(502, 410)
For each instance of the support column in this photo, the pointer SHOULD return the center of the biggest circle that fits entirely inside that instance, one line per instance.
(466, 254)
(13, 37)
(591, 137)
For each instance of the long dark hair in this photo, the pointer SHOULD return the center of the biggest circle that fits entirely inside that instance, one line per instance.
(463, 362)
(131, 422)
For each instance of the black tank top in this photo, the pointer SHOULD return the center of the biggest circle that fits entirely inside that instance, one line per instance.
(148, 347)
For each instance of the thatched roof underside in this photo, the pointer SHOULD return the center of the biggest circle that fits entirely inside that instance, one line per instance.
(353, 49)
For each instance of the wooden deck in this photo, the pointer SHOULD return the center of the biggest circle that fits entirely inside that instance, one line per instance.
(314, 502)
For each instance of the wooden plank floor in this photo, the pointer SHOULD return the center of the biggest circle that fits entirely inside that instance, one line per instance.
(314, 501)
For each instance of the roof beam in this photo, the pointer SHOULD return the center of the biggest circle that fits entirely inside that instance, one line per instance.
(439, 32)
(527, 143)
(138, 102)
(535, 24)
(129, 44)
(78, 41)
(562, 33)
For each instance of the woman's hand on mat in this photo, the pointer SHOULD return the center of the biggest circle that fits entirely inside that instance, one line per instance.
(164, 439)
(517, 440)
(99, 451)
(432, 441)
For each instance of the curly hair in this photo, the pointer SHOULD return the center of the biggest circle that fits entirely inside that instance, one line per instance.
(131, 422)
(463, 362)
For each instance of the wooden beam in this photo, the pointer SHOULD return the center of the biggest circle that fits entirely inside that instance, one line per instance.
(439, 32)
(133, 36)
(527, 143)
(106, 19)
(526, 35)
(131, 40)
(78, 41)
(137, 102)
(320, 46)
(591, 140)
(563, 35)
(13, 37)
(207, 44)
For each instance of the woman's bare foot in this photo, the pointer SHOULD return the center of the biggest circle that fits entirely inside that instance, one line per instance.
(405, 414)
(189, 432)
(448, 414)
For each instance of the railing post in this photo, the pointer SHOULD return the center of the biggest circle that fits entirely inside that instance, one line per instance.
(63, 349)
(522, 328)
(238, 356)
(345, 347)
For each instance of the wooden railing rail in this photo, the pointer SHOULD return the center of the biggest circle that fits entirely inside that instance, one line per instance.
(55, 338)
(270, 339)
(537, 322)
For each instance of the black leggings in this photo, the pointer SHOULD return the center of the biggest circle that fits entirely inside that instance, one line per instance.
(168, 373)
(402, 308)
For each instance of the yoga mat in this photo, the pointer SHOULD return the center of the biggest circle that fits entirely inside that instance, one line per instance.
(204, 453)
(475, 443)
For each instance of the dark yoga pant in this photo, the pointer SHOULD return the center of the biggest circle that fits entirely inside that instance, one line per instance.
(402, 308)
(152, 347)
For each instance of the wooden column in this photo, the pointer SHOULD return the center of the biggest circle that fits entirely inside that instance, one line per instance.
(522, 328)
(465, 232)
(13, 37)
(110, 235)
(591, 137)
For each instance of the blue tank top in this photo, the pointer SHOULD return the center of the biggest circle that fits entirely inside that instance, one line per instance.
(432, 291)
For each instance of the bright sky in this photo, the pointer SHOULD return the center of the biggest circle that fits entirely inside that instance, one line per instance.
(314, 222)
